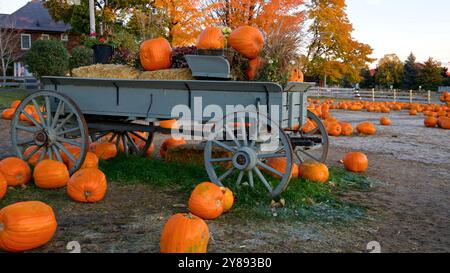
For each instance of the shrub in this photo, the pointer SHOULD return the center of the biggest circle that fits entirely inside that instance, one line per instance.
(47, 58)
(123, 56)
(81, 56)
(178, 53)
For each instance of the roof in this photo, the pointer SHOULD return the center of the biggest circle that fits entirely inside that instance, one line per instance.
(33, 16)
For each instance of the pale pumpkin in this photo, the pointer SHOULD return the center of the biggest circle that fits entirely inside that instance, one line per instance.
(228, 199)
(26, 225)
(184, 233)
(155, 54)
(87, 185)
(247, 40)
(356, 162)
(206, 201)
(16, 171)
(50, 174)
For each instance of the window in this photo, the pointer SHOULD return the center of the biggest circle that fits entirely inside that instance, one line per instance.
(45, 37)
(25, 41)
(64, 37)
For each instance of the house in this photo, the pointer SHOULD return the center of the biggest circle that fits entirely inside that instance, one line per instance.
(34, 22)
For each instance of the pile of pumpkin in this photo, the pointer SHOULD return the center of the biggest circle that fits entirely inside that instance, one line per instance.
(8, 113)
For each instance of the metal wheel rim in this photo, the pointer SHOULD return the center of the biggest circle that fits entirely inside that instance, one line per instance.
(55, 122)
(274, 191)
(301, 154)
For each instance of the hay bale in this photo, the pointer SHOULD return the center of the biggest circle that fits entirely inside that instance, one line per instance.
(194, 154)
(167, 74)
(109, 71)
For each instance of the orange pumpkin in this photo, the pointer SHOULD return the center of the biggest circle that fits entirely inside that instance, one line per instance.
(8, 113)
(334, 129)
(104, 150)
(279, 164)
(211, 38)
(141, 145)
(87, 185)
(228, 199)
(34, 159)
(15, 104)
(253, 67)
(156, 54)
(26, 225)
(444, 122)
(356, 162)
(366, 128)
(206, 201)
(16, 171)
(314, 171)
(3, 185)
(296, 75)
(247, 40)
(385, 121)
(90, 161)
(413, 112)
(170, 143)
(73, 150)
(50, 174)
(168, 124)
(430, 122)
(346, 129)
(309, 126)
(184, 233)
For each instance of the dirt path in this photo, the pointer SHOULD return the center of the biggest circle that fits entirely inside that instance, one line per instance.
(410, 207)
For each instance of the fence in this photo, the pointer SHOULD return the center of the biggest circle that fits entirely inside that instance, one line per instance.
(374, 95)
(19, 82)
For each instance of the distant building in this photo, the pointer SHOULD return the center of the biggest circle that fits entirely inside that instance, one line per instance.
(34, 22)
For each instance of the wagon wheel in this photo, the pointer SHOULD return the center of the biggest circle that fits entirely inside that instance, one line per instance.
(249, 149)
(319, 151)
(51, 126)
(129, 142)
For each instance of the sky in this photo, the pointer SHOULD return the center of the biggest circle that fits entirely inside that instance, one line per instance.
(389, 26)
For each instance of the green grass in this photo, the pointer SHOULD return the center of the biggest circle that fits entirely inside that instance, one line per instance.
(304, 200)
(7, 96)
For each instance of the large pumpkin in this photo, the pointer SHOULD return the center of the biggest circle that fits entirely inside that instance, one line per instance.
(156, 54)
(279, 164)
(444, 122)
(3, 185)
(314, 171)
(170, 143)
(228, 199)
(366, 128)
(252, 70)
(211, 38)
(16, 171)
(356, 162)
(50, 174)
(184, 233)
(334, 129)
(206, 201)
(104, 150)
(87, 185)
(346, 129)
(247, 40)
(430, 122)
(26, 225)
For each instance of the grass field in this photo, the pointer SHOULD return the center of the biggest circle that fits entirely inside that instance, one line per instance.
(7, 96)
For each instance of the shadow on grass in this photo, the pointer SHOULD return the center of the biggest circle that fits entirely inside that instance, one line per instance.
(304, 200)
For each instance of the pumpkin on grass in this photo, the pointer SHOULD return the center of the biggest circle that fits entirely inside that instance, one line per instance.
(356, 162)
(73, 150)
(247, 40)
(155, 54)
(15, 104)
(366, 128)
(279, 164)
(50, 174)
(87, 185)
(26, 225)
(170, 143)
(385, 121)
(90, 161)
(206, 201)
(211, 38)
(104, 150)
(228, 199)
(8, 113)
(314, 171)
(3, 185)
(184, 233)
(16, 171)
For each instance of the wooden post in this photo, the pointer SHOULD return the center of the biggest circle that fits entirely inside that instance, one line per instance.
(429, 97)
(410, 96)
(373, 94)
(395, 95)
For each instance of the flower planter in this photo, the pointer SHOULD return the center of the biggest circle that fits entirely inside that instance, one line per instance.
(102, 53)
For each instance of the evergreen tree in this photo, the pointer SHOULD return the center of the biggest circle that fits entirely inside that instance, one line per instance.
(430, 77)
(410, 73)
(368, 80)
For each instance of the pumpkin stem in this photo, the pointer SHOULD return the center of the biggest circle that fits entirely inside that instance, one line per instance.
(87, 194)
(189, 215)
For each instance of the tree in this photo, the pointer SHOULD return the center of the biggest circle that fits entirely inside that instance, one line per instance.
(333, 53)
(9, 41)
(445, 76)
(389, 71)
(47, 58)
(265, 14)
(368, 79)
(410, 73)
(430, 77)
